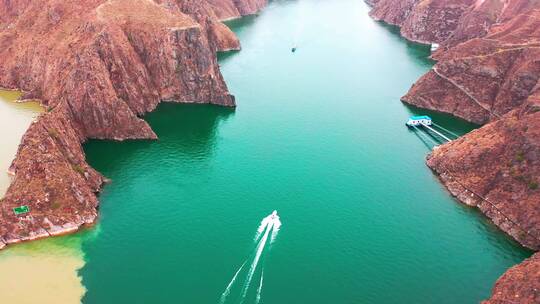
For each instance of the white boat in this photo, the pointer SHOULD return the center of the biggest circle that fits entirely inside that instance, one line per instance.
(415, 121)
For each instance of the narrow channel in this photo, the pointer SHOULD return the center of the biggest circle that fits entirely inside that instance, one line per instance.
(319, 136)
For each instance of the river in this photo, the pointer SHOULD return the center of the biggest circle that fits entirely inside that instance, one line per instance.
(319, 136)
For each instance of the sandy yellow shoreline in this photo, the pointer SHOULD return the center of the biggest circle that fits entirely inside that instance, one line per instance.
(43, 271)
(15, 118)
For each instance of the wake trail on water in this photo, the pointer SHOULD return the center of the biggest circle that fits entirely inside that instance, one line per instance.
(228, 289)
(268, 229)
(255, 262)
(258, 298)
(264, 223)
(277, 225)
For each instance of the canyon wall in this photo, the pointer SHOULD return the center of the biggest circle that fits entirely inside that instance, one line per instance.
(98, 66)
(487, 72)
(507, 291)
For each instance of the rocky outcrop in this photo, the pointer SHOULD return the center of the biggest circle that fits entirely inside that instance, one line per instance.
(482, 79)
(52, 177)
(487, 72)
(497, 169)
(519, 285)
(97, 66)
(422, 21)
(231, 9)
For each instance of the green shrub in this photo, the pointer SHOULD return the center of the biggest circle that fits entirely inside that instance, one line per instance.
(78, 168)
(520, 157)
(55, 205)
(533, 185)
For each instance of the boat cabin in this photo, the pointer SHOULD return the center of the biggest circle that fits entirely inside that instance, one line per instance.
(415, 121)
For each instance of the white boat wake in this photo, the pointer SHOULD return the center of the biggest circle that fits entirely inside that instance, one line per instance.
(258, 298)
(277, 225)
(228, 289)
(269, 229)
(255, 262)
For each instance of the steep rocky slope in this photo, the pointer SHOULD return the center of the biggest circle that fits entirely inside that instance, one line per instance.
(97, 66)
(487, 72)
(497, 168)
(484, 78)
(507, 291)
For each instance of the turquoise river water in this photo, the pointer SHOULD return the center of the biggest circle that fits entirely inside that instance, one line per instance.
(319, 136)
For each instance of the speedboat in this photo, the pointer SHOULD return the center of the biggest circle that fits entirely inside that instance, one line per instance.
(274, 214)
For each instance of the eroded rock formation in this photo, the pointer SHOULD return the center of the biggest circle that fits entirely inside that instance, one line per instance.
(487, 72)
(528, 275)
(97, 66)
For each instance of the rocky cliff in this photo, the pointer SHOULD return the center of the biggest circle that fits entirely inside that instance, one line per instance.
(507, 291)
(487, 72)
(97, 66)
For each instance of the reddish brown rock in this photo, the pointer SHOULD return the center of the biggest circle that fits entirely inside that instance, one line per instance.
(484, 78)
(488, 72)
(53, 179)
(98, 66)
(447, 22)
(519, 285)
(497, 169)
(231, 9)
(422, 21)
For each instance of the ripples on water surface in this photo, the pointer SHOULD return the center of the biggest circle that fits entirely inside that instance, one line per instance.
(319, 136)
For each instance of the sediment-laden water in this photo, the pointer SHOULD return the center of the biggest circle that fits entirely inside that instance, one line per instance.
(319, 136)
(39, 272)
(15, 118)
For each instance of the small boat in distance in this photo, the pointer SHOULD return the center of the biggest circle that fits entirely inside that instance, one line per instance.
(293, 49)
(415, 121)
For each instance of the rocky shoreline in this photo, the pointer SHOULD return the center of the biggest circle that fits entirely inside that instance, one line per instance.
(487, 72)
(97, 66)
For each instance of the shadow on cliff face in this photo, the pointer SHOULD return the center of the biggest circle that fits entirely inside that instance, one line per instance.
(418, 51)
(188, 129)
(452, 123)
(223, 56)
(237, 26)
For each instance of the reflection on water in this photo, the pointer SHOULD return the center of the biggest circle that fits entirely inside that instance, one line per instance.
(420, 51)
(319, 135)
(14, 121)
(149, 221)
(187, 130)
